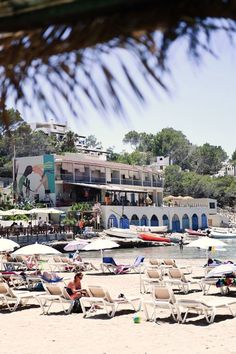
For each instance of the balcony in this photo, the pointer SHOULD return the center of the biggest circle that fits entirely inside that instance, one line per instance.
(147, 183)
(68, 177)
(128, 181)
(115, 180)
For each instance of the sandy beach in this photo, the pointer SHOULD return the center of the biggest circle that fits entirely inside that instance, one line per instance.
(28, 331)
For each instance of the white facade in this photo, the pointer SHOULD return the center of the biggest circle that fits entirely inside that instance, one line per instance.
(228, 169)
(161, 163)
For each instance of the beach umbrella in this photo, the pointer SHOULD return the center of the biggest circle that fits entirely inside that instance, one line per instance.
(207, 242)
(100, 245)
(76, 245)
(46, 211)
(36, 248)
(221, 270)
(12, 212)
(7, 245)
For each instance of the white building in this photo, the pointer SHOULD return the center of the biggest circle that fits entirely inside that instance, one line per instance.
(228, 169)
(161, 163)
(129, 195)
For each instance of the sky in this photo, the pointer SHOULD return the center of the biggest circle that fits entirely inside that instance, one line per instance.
(201, 103)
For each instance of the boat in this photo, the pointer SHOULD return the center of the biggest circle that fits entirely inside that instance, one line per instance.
(148, 236)
(121, 233)
(223, 235)
(192, 232)
(155, 229)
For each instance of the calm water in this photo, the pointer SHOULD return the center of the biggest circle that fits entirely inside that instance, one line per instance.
(166, 252)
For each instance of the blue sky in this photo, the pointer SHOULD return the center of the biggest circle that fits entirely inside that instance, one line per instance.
(202, 103)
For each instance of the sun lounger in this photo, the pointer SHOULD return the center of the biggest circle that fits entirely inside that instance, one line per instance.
(151, 277)
(8, 296)
(207, 309)
(162, 298)
(55, 293)
(55, 263)
(137, 265)
(177, 278)
(109, 264)
(100, 296)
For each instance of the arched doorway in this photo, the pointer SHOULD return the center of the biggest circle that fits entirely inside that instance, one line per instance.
(124, 222)
(175, 223)
(112, 221)
(195, 222)
(154, 221)
(165, 221)
(204, 221)
(144, 221)
(185, 222)
(134, 220)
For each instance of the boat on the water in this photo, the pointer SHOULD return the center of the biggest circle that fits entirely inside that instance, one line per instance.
(148, 236)
(192, 232)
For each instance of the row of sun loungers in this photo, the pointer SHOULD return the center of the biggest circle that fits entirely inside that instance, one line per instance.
(159, 280)
(175, 277)
(162, 298)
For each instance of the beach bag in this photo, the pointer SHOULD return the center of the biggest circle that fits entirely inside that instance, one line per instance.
(76, 307)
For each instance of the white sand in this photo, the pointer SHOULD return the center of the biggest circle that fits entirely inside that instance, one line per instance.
(28, 331)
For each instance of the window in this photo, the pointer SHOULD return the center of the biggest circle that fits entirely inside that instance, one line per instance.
(212, 205)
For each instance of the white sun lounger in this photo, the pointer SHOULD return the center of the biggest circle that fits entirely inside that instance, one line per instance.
(100, 296)
(207, 309)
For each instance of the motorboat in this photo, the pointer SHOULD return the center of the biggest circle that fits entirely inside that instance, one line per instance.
(148, 236)
(121, 233)
(192, 232)
(229, 233)
(155, 229)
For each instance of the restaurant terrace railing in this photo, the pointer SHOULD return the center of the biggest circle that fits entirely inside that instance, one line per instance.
(102, 180)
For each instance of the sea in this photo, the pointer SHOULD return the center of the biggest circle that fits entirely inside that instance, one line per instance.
(167, 252)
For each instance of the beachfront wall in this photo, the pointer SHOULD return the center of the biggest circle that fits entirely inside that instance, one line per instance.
(176, 218)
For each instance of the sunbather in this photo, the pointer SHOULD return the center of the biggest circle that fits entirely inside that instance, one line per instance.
(74, 287)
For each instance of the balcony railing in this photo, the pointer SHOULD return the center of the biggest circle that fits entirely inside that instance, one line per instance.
(147, 183)
(68, 177)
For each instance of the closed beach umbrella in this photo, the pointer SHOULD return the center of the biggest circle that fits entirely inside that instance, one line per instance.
(206, 242)
(36, 248)
(75, 245)
(7, 245)
(101, 244)
(222, 269)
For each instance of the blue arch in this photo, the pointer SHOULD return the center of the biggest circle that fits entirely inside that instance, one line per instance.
(124, 222)
(112, 221)
(165, 221)
(204, 221)
(154, 221)
(134, 220)
(185, 222)
(144, 221)
(175, 223)
(195, 222)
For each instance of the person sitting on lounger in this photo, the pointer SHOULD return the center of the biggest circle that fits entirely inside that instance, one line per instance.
(74, 287)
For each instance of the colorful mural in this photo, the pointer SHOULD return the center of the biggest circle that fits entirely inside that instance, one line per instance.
(35, 179)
